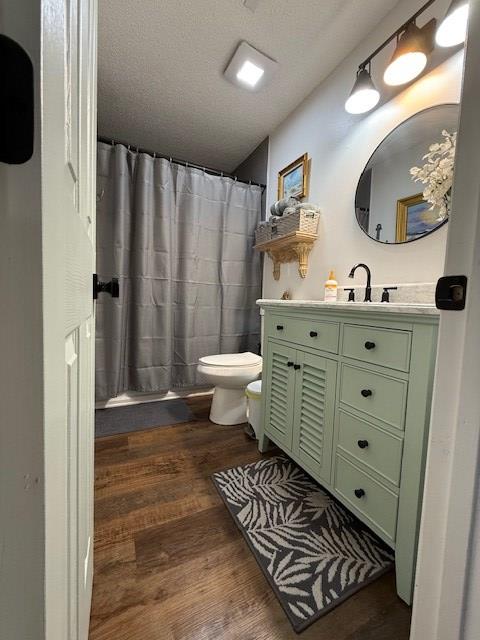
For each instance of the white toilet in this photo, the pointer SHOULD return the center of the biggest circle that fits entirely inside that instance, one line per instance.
(230, 373)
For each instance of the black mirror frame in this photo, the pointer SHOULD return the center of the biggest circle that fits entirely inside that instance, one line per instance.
(425, 235)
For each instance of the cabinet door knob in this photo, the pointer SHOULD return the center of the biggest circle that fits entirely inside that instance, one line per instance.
(366, 393)
(289, 364)
(369, 345)
(313, 334)
(363, 444)
(296, 367)
(359, 493)
(279, 327)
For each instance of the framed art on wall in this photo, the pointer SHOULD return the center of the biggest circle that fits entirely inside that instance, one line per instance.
(293, 180)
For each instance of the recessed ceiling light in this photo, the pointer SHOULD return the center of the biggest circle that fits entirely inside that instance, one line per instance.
(249, 68)
(250, 73)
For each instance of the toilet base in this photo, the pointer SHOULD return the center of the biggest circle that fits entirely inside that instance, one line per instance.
(229, 406)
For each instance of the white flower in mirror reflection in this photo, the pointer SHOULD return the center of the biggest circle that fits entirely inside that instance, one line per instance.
(437, 175)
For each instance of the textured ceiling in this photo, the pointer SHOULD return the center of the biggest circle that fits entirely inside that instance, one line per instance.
(161, 64)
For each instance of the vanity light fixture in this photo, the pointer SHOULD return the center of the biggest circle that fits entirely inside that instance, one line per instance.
(413, 45)
(364, 95)
(453, 28)
(249, 68)
(410, 56)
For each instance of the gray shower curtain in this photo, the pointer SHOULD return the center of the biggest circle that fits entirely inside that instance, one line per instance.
(180, 241)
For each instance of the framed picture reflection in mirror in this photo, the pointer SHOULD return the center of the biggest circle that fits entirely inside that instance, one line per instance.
(415, 218)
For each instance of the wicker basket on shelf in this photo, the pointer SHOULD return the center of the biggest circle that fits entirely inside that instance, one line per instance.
(301, 220)
(263, 233)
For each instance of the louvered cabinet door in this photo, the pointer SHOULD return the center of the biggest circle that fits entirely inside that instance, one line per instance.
(314, 413)
(279, 381)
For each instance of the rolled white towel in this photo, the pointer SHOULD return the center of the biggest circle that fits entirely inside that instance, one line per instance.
(307, 206)
(278, 208)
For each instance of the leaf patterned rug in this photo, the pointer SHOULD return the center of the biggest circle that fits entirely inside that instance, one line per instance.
(313, 552)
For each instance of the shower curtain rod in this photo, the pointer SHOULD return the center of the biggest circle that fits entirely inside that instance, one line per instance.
(184, 163)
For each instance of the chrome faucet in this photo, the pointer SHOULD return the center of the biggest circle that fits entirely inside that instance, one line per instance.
(368, 288)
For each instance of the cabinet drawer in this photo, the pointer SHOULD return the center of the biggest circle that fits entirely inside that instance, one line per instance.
(385, 347)
(309, 333)
(375, 502)
(373, 447)
(375, 394)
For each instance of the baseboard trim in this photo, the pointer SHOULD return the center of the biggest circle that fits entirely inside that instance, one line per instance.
(135, 397)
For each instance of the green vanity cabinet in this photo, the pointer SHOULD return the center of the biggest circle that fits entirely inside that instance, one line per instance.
(346, 394)
(278, 410)
(300, 405)
(313, 413)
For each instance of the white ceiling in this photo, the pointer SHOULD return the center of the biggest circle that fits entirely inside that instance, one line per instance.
(161, 64)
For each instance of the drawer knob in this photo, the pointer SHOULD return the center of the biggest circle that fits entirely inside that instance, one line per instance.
(289, 364)
(366, 393)
(313, 334)
(279, 327)
(363, 444)
(296, 367)
(359, 493)
(369, 345)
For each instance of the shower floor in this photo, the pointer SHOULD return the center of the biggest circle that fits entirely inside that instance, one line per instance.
(170, 564)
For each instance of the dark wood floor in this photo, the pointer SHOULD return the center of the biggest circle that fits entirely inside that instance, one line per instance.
(171, 565)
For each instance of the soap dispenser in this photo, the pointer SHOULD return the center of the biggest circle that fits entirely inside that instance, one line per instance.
(331, 288)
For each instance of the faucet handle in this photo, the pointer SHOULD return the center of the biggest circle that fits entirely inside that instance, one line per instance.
(386, 294)
(351, 294)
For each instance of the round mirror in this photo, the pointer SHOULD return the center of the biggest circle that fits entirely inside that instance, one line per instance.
(404, 191)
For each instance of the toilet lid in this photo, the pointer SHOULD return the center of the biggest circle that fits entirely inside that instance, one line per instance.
(246, 359)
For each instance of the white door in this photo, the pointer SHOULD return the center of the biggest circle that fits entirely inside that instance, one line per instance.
(79, 323)
(47, 258)
(447, 595)
(70, 205)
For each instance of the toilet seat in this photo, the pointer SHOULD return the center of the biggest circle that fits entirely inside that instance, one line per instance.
(231, 360)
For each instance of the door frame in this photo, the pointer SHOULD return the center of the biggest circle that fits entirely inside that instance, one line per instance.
(447, 584)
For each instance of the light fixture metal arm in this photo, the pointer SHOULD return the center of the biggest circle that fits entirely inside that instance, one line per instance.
(394, 35)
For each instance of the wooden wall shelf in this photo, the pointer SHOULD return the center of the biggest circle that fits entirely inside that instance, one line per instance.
(295, 246)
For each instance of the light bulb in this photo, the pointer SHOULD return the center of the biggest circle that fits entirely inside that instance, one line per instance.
(405, 68)
(362, 101)
(453, 28)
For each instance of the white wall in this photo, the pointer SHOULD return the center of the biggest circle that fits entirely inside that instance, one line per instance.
(340, 145)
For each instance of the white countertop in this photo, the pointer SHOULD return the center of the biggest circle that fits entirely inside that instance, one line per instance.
(384, 307)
